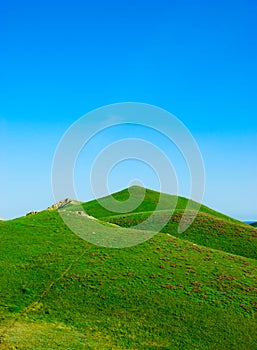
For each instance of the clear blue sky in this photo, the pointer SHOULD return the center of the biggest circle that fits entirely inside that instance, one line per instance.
(61, 59)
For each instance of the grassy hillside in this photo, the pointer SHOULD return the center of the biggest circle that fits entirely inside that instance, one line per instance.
(58, 291)
(210, 228)
(207, 230)
(97, 209)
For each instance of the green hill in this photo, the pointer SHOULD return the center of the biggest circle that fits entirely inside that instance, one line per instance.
(58, 291)
(150, 200)
(210, 228)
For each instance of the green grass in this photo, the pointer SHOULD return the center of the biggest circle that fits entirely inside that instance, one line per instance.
(59, 291)
(150, 200)
(208, 230)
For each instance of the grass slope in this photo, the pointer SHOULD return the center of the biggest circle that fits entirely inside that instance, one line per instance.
(97, 209)
(207, 230)
(210, 228)
(58, 291)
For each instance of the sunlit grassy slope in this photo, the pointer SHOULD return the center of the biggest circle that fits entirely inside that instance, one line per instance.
(59, 292)
(150, 200)
(210, 228)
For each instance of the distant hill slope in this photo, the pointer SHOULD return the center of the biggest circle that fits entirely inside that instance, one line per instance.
(210, 228)
(150, 200)
(206, 230)
(58, 291)
(254, 224)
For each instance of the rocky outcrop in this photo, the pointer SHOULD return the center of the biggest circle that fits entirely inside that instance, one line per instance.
(59, 205)
(32, 213)
(63, 203)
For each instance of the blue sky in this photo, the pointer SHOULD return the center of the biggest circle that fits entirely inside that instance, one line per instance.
(61, 59)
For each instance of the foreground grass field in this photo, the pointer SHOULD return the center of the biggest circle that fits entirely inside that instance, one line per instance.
(59, 292)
